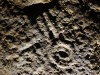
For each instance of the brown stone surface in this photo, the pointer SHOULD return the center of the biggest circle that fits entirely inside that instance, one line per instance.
(60, 37)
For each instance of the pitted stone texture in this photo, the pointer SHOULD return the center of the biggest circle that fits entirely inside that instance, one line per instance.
(4, 71)
(24, 3)
(61, 55)
(63, 33)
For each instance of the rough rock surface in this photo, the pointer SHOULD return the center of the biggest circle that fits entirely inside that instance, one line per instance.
(24, 3)
(61, 37)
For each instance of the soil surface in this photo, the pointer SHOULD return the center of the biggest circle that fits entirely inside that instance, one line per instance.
(56, 37)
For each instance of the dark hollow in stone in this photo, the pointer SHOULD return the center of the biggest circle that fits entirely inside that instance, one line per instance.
(27, 39)
(63, 54)
(8, 28)
(56, 58)
(87, 57)
(29, 60)
(69, 70)
(37, 45)
(53, 65)
(61, 37)
(38, 9)
(22, 33)
(51, 35)
(54, 41)
(10, 38)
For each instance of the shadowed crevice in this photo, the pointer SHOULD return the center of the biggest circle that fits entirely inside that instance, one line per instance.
(35, 10)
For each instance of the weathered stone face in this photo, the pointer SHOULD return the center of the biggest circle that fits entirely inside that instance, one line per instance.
(24, 3)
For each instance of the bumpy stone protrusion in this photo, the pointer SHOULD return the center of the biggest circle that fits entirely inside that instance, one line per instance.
(24, 3)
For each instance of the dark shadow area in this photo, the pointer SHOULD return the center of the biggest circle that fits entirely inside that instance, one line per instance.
(92, 14)
(35, 10)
